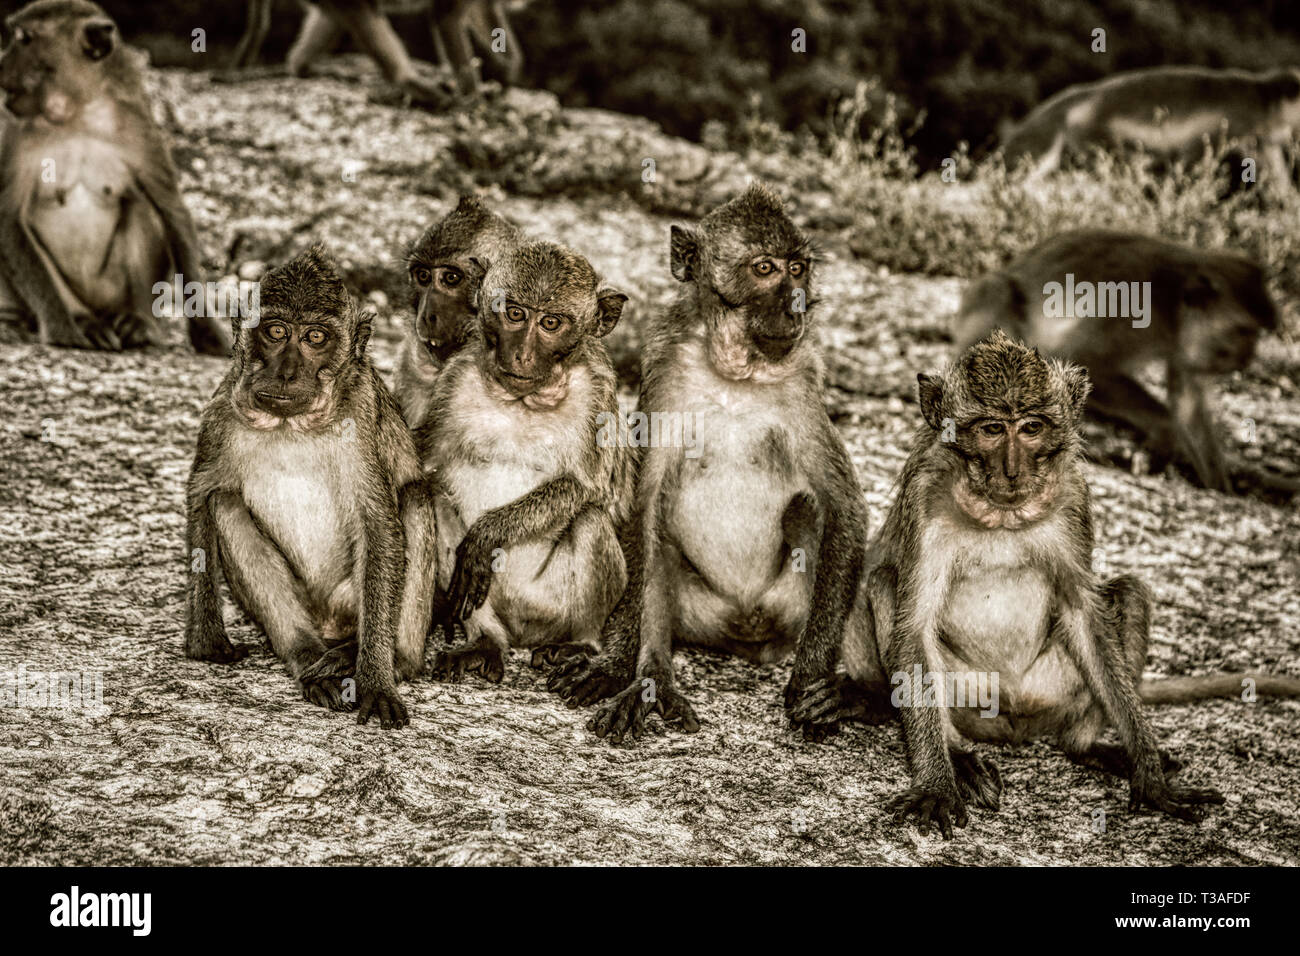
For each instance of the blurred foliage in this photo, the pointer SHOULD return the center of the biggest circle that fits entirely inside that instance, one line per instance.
(706, 68)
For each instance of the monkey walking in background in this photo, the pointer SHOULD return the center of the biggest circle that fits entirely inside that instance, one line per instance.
(90, 214)
(453, 23)
(984, 567)
(1167, 111)
(1200, 313)
(528, 491)
(306, 496)
(443, 267)
(750, 527)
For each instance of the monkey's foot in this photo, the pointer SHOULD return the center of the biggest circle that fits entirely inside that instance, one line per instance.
(581, 681)
(550, 654)
(324, 691)
(625, 713)
(484, 658)
(215, 650)
(932, 807)
(137, 331)
(384, 703)
(1182, 803)
(1112, 758)
(820, 707)
(978, 780)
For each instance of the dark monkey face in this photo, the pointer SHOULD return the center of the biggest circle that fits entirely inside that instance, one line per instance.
(443, 299)
(1221, 316)
(538, 307)
(1010, 417)
(753, 271)
(55, 58)
(308, 333)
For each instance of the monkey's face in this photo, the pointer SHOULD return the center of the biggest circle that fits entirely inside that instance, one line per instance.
(444, 295)
(1215, 333)
(52, 65)
(769, 294)
(289, 367)
(1008, 458)
(538, 308)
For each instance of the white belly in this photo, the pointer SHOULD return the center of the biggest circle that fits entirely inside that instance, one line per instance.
(997, 618)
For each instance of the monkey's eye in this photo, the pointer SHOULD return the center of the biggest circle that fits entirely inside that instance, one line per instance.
(1031, 428)
(993, 429)
(317, 337)
(764, 267)
(551, 323)
(276, 332)
(451, 277)
(798, 267)
(422, 275)
(515, 314)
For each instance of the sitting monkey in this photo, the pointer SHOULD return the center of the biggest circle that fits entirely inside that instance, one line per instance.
(528, 495)
(1168, 111)
(1115, 301)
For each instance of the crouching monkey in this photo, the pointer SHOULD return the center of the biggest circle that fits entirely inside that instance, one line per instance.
(528, 493)
(306, 496)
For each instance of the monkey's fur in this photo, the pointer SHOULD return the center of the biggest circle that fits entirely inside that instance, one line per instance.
(1205, 314)
(444, 268)
(90, 213)
(984, 566)
(1168, 111)
(528, 495)
(756, 545)
(307, 497)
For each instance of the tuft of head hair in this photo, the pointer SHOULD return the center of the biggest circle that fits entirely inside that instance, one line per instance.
(756, 219)
(309, 288)
(470, 228)
(57, 10)
(1004, 378)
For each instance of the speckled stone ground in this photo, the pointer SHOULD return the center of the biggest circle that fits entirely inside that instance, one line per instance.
(197, 764)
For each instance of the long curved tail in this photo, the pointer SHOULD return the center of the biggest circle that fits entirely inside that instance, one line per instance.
(1180, 690)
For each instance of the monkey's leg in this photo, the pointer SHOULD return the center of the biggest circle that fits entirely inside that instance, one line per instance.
(255, 31)
(838, 576)
(1103, 651)
(376, 36)
(267, 588)
(1126, 606)
(382, 573)
(205, 628)
(453, 28)
(1200, 443)
(28, 270)
(589, 596)
(415, 502)
(316, 37)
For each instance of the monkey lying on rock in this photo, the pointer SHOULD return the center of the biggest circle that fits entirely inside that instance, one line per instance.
(306, 497)
(982, 570)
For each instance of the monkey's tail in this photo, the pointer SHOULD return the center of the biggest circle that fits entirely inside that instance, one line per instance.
(1180, 690)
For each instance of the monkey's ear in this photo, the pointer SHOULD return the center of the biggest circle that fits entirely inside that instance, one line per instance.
(97, 38)
(929, 389)
(361, 337)
(1078, 385)
(684, 247)
(609, 306)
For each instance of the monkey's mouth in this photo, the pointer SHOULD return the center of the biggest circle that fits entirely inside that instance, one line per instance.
(517, 385)
(269, 400)
(775, 346)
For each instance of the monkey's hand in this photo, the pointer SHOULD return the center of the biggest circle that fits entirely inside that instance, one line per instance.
(582, 681)
(1152, 789)
(820, 707)
(934, 805)
(322, 682)
(625, 713)
(472, 578)
(383, 702)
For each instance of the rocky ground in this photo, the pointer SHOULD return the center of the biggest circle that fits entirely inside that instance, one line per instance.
(190, 763)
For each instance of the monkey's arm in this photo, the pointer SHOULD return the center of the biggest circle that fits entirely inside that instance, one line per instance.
(28, 273)
(546, 510)
(1197, 429)
(205, 629)
(1096, 652)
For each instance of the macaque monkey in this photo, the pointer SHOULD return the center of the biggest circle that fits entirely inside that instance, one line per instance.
(90, 214)
(983, 571)
(443, 267)
(453, 23)
(1114, 302)
(1167, 110)
(529, 476)
(749, 530)
(307, 497)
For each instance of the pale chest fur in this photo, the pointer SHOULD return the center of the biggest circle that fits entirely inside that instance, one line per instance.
(302, 493)
(512, 449)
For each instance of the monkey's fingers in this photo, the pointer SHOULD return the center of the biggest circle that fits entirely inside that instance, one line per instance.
(325, 692)
(624, 714)
(677, 710)
(387, 706)
(930, 808)
(102, 336)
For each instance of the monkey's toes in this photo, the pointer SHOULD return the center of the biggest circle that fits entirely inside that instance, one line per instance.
(452, 664)
(677, 711)
(930, 808)
(620, 716)
(582, 681)
(387, 706)
(223, 652)
(549, 654)
(324, 692)
(978, 780)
